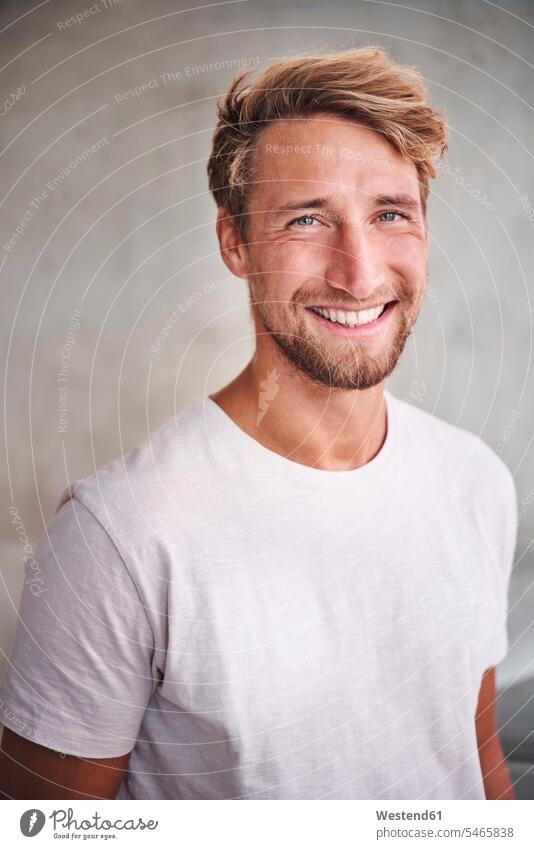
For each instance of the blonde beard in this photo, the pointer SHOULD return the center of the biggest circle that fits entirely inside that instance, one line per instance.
(345, 365)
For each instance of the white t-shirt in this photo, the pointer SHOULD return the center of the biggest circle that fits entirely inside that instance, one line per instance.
(253, 628)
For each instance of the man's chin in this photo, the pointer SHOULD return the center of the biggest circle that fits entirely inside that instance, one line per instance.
(350, 370)
(340, 362)
(369, 374)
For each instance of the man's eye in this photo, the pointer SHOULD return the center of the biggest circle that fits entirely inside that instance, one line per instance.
(304, 220)
(392, 213)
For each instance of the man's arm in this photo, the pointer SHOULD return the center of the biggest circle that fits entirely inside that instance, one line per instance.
(87, 615)
(497, 782)
(30, 771)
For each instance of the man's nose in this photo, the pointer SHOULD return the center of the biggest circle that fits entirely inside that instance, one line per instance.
(353, 266)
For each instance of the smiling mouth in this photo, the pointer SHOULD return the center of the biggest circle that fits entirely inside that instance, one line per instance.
(352, 318)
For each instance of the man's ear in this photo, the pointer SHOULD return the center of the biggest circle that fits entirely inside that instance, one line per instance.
(233, 251)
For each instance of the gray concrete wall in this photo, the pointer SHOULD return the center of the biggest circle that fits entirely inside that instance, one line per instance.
(109, 231)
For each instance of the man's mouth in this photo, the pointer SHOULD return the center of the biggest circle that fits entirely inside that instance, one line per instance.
(352, 318)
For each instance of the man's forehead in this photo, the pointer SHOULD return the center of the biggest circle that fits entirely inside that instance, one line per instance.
(295, 189)
(344, 157)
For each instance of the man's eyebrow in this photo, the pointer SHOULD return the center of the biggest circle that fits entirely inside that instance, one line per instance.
(314, 203)
(405, 200)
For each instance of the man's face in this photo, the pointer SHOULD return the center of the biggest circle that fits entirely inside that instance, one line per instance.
(335, 224)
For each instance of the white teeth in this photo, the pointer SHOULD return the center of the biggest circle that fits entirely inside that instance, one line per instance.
(351, 319)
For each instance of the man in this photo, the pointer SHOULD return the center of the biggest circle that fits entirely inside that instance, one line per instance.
(298, 588)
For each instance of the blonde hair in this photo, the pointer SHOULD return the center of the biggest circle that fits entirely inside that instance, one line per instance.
(361, 84)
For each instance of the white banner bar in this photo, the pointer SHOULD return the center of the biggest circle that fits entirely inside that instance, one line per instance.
(267, 824)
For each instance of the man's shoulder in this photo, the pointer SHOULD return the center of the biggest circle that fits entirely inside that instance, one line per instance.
(454, 449)
(158, 467)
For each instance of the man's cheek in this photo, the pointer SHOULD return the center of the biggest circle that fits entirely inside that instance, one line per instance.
(301, 259)
(403, 252)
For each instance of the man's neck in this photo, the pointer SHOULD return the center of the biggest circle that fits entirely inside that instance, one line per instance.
(315, 426)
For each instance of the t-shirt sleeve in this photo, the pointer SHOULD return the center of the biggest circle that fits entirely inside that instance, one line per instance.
(80, 673)
(504, 521)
